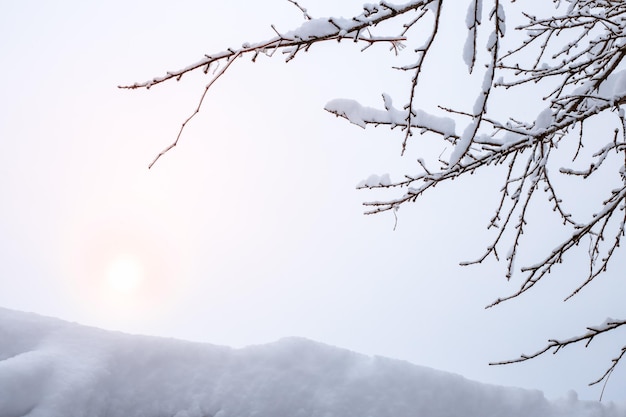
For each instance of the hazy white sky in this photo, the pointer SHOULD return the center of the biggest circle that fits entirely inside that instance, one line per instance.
(251, 230)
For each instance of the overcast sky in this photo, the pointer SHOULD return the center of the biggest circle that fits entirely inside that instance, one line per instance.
(252, 229)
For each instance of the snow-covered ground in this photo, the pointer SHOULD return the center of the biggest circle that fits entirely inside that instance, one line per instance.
(53, 368)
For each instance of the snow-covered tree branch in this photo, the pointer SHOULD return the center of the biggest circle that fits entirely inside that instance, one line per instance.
(570, 52)
(555, 345)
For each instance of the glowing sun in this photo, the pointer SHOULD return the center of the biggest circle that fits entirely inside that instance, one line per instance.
(124, 274)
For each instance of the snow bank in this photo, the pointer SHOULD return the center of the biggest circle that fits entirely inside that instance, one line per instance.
(57, 369)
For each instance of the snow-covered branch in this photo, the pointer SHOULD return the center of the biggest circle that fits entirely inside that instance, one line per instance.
(361, 116)
(312, 31)
(555, 345)
(572, 56)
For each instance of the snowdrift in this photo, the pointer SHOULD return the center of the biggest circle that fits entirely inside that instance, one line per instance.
(53, 368)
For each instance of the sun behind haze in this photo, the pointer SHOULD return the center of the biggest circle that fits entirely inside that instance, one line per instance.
(125, 274)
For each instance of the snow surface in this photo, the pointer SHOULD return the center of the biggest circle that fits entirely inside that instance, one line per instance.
(53, 368)
(614, 86)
